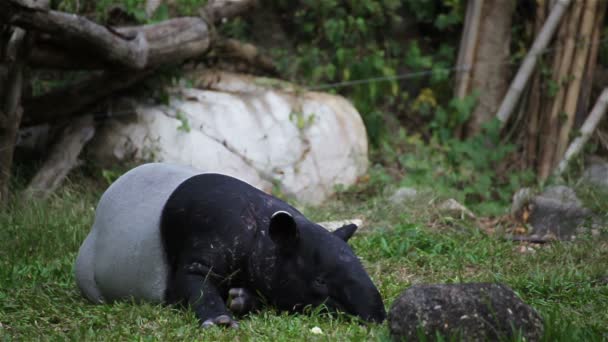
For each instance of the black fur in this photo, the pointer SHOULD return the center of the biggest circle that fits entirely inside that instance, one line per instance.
(220, 233)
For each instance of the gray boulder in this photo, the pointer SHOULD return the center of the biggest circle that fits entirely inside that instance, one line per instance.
(557, 213)
(470, 312)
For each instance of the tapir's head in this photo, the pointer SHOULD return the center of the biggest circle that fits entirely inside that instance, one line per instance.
(316, 267)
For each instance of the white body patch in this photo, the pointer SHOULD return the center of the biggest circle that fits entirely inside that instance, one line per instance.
(123, 257)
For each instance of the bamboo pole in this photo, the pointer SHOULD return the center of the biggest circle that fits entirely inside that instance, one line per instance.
(564, 64)
(585, 96)
(534, 108)
(468, 44)
(578, 69)
(524, 72)
(596, 115)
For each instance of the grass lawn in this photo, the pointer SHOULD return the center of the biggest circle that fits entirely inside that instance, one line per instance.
(401, 245)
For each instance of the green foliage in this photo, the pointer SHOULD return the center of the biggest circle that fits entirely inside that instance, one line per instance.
(135, 8)
(184, 123)
(340, 42)
(463, 169)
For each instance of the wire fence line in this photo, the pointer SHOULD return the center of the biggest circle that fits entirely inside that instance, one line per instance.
(410, 75)
(453, 69)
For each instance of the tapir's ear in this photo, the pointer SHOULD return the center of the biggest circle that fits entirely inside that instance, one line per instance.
(345, 232)
(283, 230)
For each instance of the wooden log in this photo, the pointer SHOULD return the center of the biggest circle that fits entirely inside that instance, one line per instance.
(128, 51)
(169, 42)
(11, 88)
(596, 115)
(578, 69)
(551, 131)
(63, 157)
(525, 70)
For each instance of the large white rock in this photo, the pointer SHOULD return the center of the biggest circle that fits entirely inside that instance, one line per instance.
(265, 132)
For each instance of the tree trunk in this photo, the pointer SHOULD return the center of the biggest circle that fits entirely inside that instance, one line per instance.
(11, 87)
(63, 157)
(491, 71)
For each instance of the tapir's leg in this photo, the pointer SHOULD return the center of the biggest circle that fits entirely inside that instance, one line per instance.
(242, 301)
(193, 284)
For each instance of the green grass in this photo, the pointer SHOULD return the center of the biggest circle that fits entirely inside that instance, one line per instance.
(401, 245)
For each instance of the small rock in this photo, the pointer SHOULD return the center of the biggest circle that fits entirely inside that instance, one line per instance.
(333, 225)
(557, 213)
(403, 195)
(523, 249)
(316, 331)
(452, 207)
(473, 312)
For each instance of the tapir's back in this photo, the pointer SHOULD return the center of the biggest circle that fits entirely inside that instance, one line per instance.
(123, 255)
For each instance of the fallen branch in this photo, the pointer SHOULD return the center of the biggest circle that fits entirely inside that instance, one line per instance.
(63, 157)
(120, 49)
(596, 115)
(169, 42)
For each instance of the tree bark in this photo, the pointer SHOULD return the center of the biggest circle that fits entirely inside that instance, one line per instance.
(11, 112)
(10, 109)
(491, 79)
(169, 42)
(62, 158)
(128, 51)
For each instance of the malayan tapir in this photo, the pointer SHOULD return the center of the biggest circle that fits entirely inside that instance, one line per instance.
(168, 234)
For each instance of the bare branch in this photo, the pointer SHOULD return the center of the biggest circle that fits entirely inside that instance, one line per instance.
(131, 52)
(63, 157)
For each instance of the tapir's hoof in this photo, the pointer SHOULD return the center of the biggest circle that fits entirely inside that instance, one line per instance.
(222, 320)
(241, 301)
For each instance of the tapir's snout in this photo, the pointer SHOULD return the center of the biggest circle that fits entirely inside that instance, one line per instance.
(361, 298)
(371, 308)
